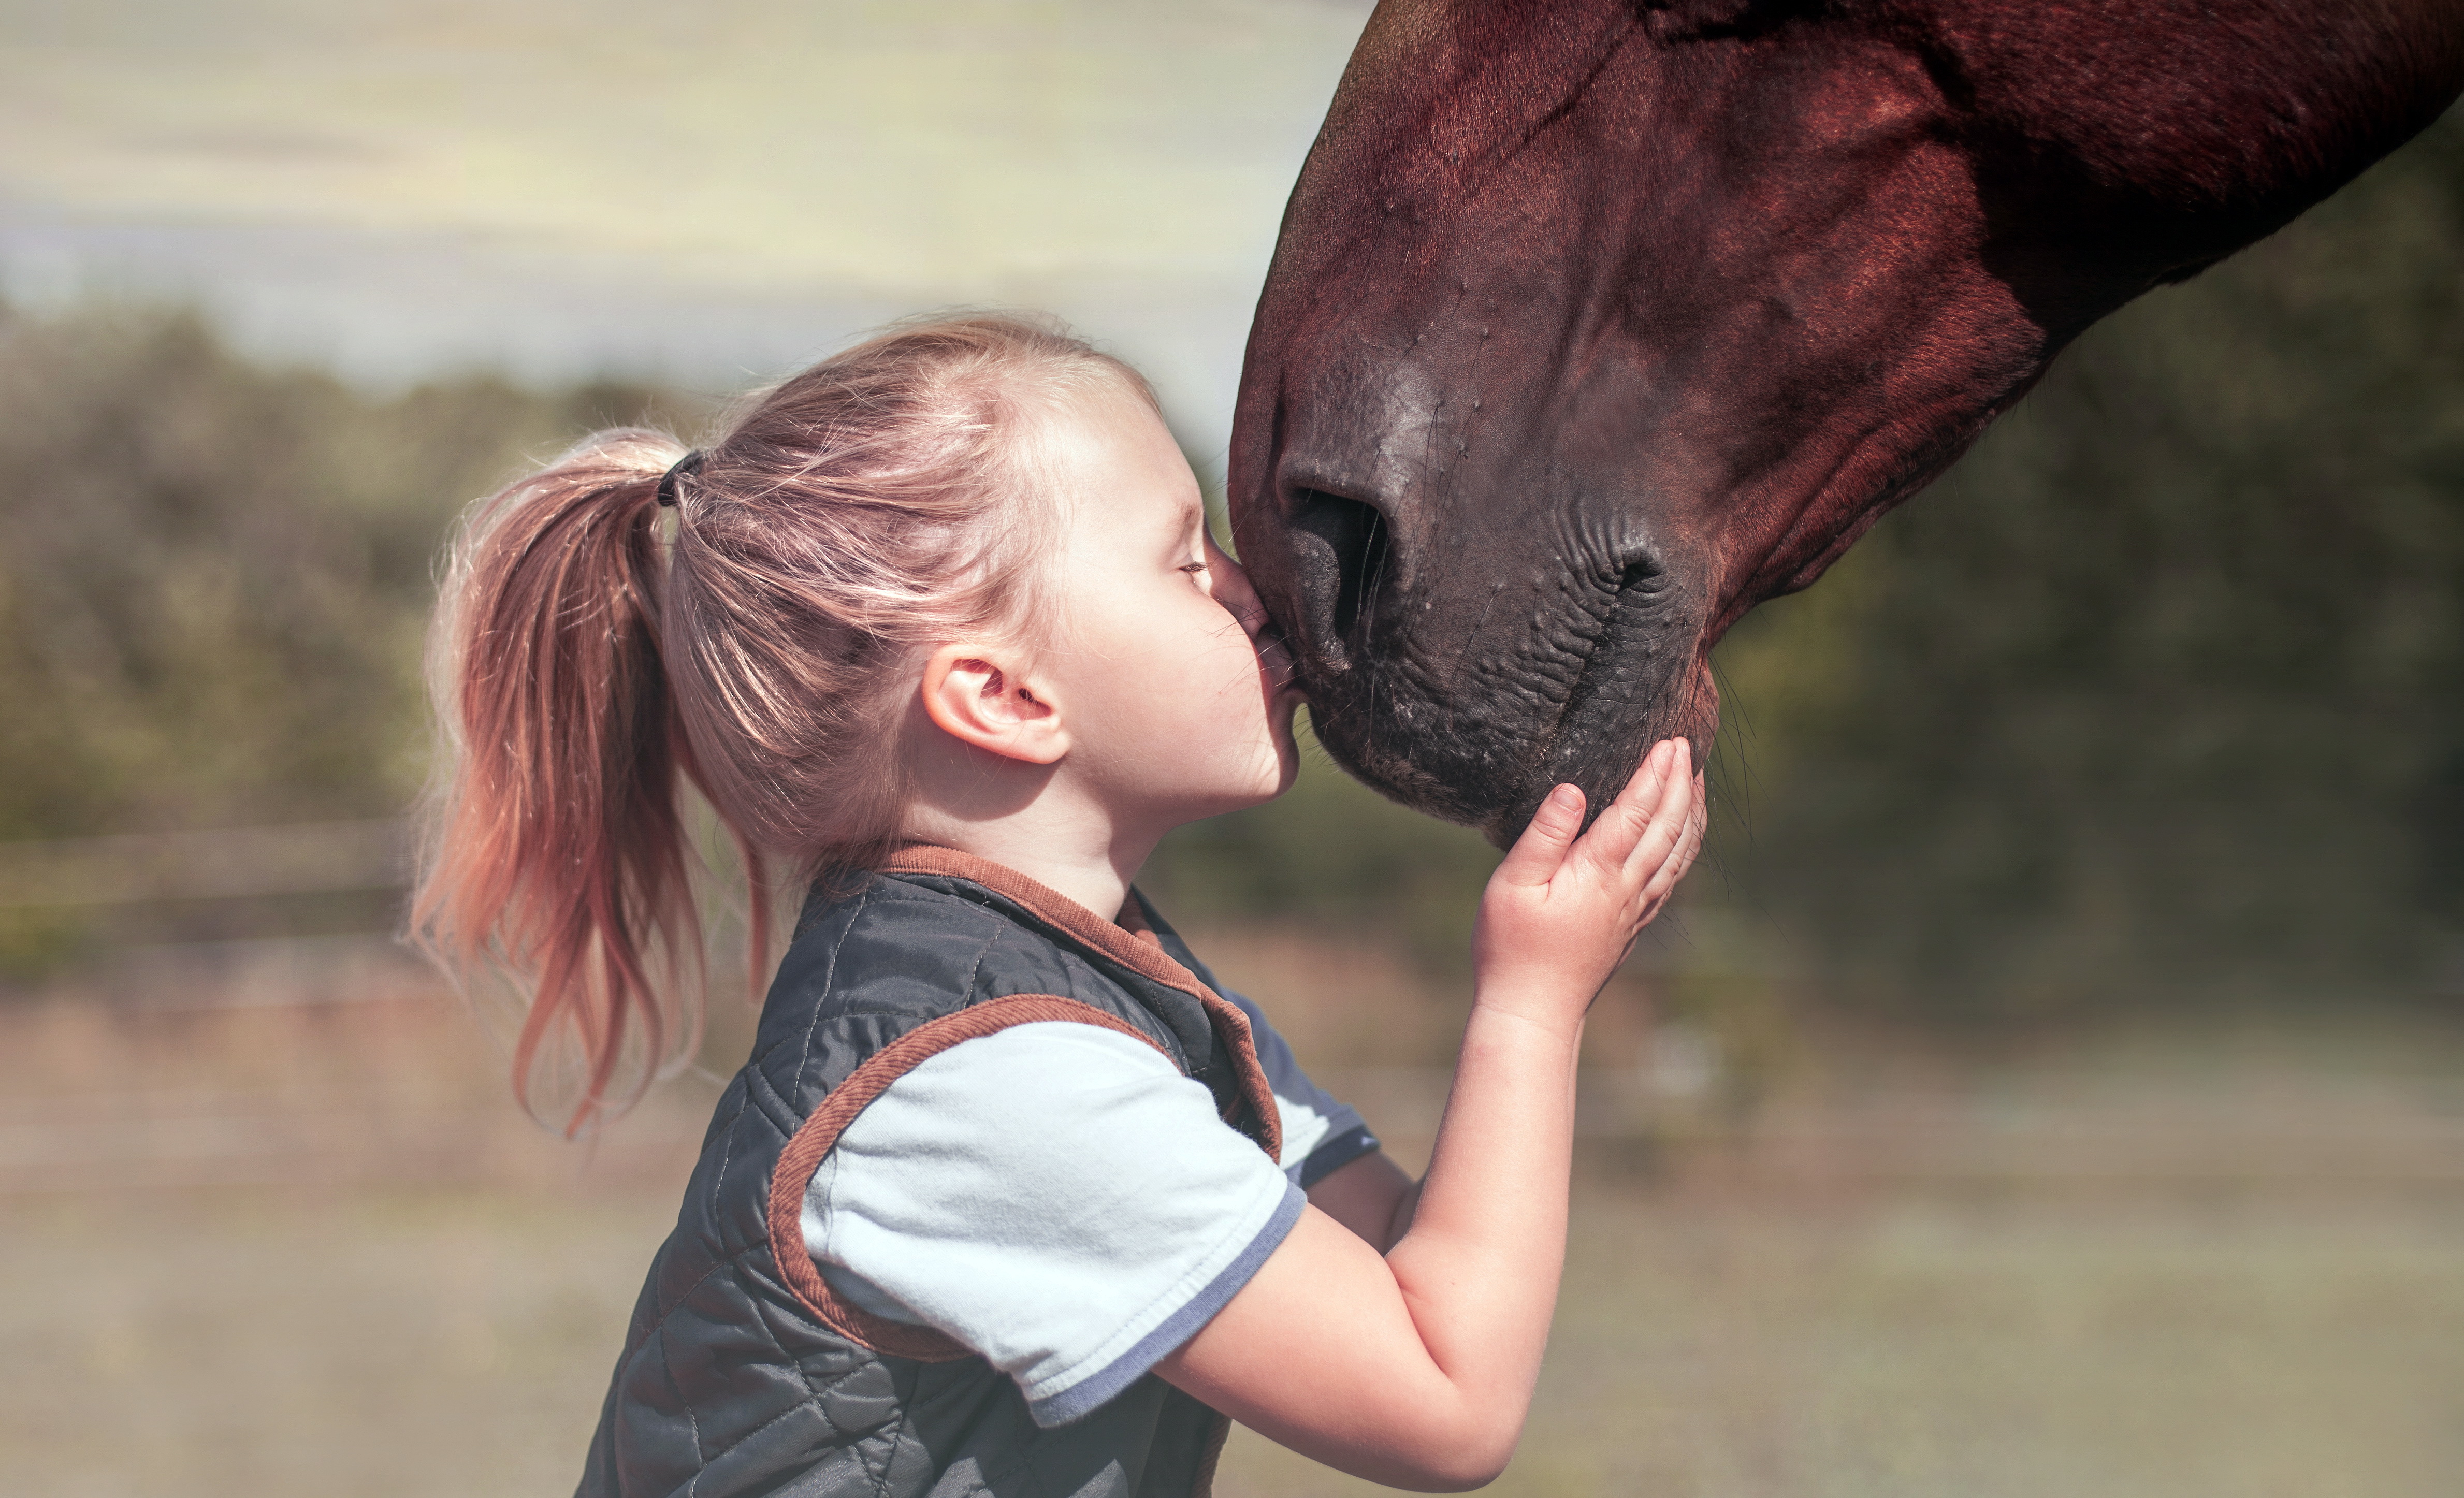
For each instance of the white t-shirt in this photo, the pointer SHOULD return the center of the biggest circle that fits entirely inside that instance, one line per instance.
(1061, 1199)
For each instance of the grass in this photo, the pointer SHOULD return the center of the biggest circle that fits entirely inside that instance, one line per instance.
(306, 1249)
(367, 1341)
(1914, 1344)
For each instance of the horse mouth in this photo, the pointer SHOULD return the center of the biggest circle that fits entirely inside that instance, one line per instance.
(1482, 747)
(1640, 681)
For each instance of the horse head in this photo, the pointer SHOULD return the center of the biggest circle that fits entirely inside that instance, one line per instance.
(1593, 323)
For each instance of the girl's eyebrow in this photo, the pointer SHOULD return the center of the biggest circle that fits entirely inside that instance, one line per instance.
(1192, 519)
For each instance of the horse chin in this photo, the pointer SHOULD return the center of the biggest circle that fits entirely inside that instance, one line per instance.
(1375, 742)
(1477, 780)
(1597, 745)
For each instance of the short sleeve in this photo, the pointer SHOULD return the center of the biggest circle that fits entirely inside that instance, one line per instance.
(1057, 1198)
(1321, 1133)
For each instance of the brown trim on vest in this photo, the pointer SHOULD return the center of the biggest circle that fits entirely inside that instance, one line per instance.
(793, 1176)
(1137, 951)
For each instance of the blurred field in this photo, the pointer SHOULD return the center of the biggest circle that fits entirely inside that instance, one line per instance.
(2157, 701)
(273, 1229)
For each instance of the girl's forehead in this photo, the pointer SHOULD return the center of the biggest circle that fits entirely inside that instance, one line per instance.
(1108, 409)
(1115, 436)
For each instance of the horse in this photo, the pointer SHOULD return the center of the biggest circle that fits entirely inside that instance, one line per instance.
(1593, 323)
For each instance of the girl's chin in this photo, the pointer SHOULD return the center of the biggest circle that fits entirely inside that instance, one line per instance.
(1265, 768)
(1288, 749)
(1274, 772)
(1281, 709)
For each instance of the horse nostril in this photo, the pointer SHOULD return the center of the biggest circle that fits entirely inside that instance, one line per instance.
(1645, 576)
(1342, 550)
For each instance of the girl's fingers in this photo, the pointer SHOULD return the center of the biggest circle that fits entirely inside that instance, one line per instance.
(1697, 828)
(1611, 839)
(1689, 845)
(1536, 855)
(1670, 813)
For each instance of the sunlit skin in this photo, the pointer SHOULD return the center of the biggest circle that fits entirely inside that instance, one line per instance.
(1396, 1333)
(1065, 750)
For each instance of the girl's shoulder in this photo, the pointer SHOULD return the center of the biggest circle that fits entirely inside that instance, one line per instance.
(941, 946)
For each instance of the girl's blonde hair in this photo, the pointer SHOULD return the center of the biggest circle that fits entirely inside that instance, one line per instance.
(585, 662)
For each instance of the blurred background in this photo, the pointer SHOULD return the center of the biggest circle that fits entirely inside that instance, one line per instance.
(2052, 1083)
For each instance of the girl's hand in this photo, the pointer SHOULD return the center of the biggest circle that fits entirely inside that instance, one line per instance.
(1415, 1367)
(1560, 914)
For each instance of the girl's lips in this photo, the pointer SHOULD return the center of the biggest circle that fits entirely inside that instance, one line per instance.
(1275, 660)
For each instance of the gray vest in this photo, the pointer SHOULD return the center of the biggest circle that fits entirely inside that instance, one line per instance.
(742, 1373)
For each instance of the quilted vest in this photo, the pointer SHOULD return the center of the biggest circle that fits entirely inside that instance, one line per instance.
(742, 1372)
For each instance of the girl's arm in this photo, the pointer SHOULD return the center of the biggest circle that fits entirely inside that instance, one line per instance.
(1416, 1369)
(1372, 1196)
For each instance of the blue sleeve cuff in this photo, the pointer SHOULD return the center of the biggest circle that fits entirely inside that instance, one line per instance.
(1339, 1149)
(1085, 1396)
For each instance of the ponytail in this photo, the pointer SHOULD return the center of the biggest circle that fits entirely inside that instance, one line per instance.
(586, 669)
(557, 847)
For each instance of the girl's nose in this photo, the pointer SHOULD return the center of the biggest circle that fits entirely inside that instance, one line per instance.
(1231, 588)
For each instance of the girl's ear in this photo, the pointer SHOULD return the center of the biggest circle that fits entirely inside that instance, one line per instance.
(983, 696)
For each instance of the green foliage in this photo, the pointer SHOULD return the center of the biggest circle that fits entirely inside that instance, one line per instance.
(215, 592)
(2165, 684)
(217, 576)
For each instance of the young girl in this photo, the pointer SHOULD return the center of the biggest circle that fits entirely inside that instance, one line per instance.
(1012, 1196)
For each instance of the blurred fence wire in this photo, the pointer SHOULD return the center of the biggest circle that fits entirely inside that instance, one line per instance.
(224, 863)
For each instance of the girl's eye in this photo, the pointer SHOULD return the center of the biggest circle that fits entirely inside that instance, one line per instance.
(1193, 566)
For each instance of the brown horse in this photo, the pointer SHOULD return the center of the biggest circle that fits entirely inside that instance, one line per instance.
(1594, 322)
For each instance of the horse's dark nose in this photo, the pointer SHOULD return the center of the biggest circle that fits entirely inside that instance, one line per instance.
(1340, 552)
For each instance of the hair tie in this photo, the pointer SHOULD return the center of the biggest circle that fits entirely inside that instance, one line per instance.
(690, 463)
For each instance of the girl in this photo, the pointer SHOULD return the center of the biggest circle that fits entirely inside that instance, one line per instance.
(1011, 1196)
